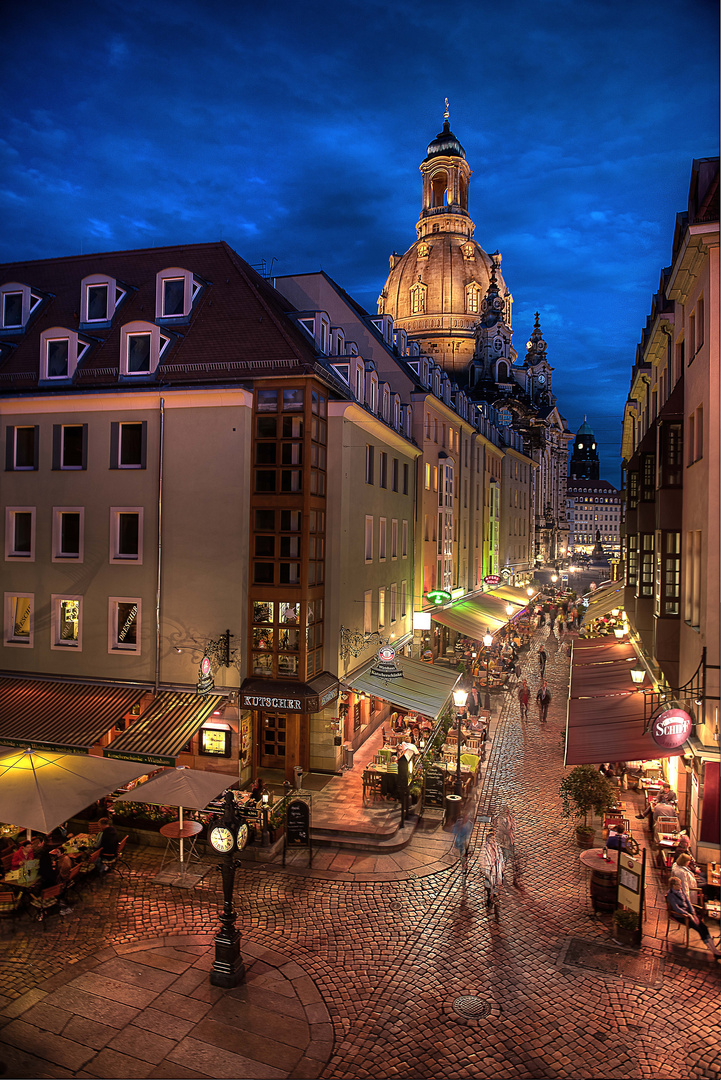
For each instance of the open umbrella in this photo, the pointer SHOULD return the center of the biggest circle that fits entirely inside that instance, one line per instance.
(181, 787)
(39, 789)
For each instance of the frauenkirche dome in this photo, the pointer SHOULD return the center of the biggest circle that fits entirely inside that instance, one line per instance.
(434, 292)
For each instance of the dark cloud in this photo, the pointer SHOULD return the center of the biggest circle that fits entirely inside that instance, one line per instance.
(295, 133)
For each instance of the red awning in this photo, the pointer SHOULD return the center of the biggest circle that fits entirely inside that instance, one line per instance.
(605, 710)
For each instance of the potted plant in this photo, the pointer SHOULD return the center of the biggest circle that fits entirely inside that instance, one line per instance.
(582, 790)
(625, 926)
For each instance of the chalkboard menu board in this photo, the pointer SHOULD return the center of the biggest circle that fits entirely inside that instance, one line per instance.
(434, 787)
(297, 823)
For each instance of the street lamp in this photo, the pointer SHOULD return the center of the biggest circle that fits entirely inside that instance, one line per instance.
(487, 642)
(509, 612)
(554, 578)
(638, 675)
(529, 591)
(460, 697)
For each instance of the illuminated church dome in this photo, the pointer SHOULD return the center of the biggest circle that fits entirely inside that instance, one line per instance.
(435, 291)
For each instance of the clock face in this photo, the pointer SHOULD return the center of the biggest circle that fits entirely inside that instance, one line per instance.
(221, 838)
(541, 379)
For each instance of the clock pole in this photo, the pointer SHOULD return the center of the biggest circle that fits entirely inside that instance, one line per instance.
(228, 969)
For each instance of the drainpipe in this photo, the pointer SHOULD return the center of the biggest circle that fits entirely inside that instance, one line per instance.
(160, 543)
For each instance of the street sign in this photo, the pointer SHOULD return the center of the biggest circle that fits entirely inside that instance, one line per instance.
(439, 596)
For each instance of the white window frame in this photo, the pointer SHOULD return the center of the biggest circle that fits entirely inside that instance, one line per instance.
(381, 607)
(115, 557)
(61, 462)
(158, 345)
(368, 539)
(77, 348)
(56, 643)
(394, 539)
(57, 555)
(35, 465)
(114, 297)
(404, 539)
(404, 601)
(394, 602)
(10, 639)
(115, 646)
(30, 301)
(121, 425)
(368, 611)
(191, 288)
(382, 539)
(11, 555)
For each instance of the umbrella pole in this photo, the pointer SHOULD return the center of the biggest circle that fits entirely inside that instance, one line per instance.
(181, 837)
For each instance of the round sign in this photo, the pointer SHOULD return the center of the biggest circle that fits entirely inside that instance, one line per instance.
(670, 729)
(205, 666)
(242, 837)
(386, 653)
(492, 579)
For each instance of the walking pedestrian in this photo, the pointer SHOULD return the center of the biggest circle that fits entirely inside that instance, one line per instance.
(491, 862)
(553, 616)
(461, 836)
(543, 697)
(523, 699)
(542, 658)
(574, 616)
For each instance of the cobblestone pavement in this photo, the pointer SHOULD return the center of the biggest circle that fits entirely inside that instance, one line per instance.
(375, 960)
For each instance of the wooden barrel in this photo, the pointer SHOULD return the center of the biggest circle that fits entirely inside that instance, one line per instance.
(603, 889)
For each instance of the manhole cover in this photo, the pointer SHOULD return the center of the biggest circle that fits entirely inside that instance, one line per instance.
(474, 1007)
(395, 905)
(604, 959)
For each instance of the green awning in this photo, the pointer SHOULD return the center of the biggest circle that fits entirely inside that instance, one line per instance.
(424, 688)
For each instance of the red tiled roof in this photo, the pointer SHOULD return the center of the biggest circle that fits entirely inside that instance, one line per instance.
(238, 326)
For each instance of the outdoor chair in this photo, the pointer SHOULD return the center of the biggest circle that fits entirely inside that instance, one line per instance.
(371, 784)
(679, 922)
(117, 862)
(69, 884)
(7, 861)
(10, 904)
(90, 866)
(46, 900)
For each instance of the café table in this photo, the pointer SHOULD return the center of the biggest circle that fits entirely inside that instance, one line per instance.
(174, 833)
(19, 879)
(603, 877)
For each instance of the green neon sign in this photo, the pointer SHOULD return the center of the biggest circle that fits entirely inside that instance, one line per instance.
(439, 596)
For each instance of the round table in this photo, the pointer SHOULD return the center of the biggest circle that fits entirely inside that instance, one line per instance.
(603, 877)
(174, 833)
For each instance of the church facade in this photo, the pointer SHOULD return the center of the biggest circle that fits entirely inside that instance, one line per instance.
(450, 297)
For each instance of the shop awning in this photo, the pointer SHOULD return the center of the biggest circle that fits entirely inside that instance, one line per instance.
(48, 715)
(424, 688)
(605, 715)
(511, 594)
(286, 696)
(604, 601)
(158, 736)
(468, 618)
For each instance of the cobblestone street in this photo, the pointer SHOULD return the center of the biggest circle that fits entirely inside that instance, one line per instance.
(354, 967)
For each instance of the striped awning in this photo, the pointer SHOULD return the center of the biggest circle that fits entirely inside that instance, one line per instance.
(512, 594)
(158, 736)
(604, 600)
(48, 715)
(424, 689)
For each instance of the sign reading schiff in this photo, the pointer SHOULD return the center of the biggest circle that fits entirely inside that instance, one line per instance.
(670, 729)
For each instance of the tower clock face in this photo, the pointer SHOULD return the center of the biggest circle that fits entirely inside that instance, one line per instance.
(221, 839)
(541, 379)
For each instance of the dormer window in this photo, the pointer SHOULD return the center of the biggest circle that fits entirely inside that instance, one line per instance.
(437, 383)
(61, 350)
(373, 394)
(175, 293)
(339, 337)
(100, 296)
(386, 403)
(17, 304)
(396, 413)
(142, 346)
(359, 382)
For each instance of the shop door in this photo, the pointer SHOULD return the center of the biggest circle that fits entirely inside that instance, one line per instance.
(272, 740)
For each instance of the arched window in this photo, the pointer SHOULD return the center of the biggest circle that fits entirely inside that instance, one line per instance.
(418, 298)
(439, 188)
(502, 374)
(473, 298)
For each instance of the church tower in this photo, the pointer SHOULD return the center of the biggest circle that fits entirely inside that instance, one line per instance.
(436, 289)
(584, 456)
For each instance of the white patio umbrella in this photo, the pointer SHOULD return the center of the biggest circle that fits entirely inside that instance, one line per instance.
(181, 787)
(39, 789)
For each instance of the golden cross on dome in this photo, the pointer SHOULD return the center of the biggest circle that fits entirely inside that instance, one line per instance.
(445, 114)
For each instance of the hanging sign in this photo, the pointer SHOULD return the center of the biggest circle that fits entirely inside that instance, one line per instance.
(492, 579)
(439, 596)
(386, 667)
(671, 729)
(205, 683)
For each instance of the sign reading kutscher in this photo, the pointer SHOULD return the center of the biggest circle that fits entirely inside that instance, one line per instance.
(284, 704)
(670, 729)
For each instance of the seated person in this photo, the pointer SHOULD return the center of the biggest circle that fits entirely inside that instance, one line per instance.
(618, 840)
(691, 877)
(680, 907)
(666, 799)
(107, 842)
(47, 870)
(24, 853)
(257, 790)
(60, 835)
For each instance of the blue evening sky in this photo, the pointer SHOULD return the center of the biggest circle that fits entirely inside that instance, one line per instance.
(294, 132)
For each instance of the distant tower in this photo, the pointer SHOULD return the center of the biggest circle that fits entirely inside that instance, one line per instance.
(584, 456)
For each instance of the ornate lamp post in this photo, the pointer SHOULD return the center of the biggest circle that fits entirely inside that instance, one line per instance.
(509, 612)
(459, 701)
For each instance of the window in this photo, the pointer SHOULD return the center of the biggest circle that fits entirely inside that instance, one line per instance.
(394, 474)
(19, 623)
(142, 346)
(394, 602)
(418, 298)
(66, 622)
(692, 580)
(20, 533)
(370, 453)
(394, 539)
(383, 471)
(128, 444)
(691, 439)
(699, 433)
(368, 611)
(406, 477)
(68, 533)
(648, 478)
(668, 573)
(61, 351)
(382, 540)
(428, 477)
(17, 304)
(22, 448)
(100, 296)
(645, 581)
(381, 608)
(369, 539)
(403, 598)
(70, 446)
(700, 330)
(124, 624)
(126, 534)
(632, 560)
(175, 293)
(472, 294)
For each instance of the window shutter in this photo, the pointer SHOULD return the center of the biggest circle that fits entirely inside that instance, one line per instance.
(114, 444)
